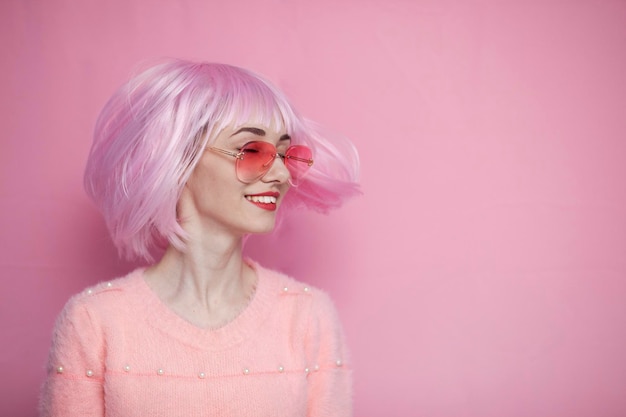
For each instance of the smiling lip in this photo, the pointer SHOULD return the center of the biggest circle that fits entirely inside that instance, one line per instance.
(266, 201)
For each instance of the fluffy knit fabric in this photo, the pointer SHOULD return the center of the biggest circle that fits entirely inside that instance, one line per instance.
(119, 351)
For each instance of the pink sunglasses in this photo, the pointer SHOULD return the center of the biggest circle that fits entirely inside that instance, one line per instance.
(255, 158)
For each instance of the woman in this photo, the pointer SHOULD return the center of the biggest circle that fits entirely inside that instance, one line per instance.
(188, 159)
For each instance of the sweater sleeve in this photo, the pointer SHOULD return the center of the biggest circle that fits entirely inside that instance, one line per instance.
(330, 381)
(74, 384)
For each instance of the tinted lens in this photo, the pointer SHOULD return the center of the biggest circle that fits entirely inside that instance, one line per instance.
(298, 161)
(256, 160)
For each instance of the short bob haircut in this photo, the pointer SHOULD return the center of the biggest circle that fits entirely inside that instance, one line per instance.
(153, 130)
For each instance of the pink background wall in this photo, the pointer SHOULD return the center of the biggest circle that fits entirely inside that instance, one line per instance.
(483, 272)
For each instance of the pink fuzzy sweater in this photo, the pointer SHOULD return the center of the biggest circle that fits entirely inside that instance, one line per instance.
(119, 351)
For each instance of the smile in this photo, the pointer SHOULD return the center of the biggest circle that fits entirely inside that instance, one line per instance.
(263, 199)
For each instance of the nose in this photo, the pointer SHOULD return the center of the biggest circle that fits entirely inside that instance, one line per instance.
(278, 171)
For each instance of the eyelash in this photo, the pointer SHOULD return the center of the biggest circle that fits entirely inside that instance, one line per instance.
(279, 150)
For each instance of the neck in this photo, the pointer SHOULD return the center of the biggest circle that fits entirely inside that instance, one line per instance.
(208, 284)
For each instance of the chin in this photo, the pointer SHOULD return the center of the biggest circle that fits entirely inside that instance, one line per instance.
(261, 227)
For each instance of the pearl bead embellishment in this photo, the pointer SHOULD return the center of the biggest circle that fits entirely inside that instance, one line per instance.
(202, 375)
(265, 367)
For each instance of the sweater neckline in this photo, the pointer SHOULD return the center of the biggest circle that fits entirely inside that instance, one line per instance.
(164, 319)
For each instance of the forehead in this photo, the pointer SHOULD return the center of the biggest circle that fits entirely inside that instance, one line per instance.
(250, 120)
(252, 103)
(251, 131)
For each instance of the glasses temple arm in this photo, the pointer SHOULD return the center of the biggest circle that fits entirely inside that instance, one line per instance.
(308, 161)
(225, 152)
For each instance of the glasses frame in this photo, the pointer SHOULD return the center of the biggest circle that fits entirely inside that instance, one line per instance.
(240, 155)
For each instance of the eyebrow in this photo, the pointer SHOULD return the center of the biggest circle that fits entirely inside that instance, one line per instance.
(258, 132)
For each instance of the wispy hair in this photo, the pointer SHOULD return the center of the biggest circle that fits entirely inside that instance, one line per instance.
(153, 130)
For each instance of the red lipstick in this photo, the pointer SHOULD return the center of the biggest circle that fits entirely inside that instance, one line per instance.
(266, 200)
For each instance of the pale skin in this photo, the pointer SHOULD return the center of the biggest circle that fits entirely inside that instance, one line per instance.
(209, 284)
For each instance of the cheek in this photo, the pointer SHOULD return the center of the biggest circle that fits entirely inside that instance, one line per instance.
(214, 168)
(214, 184)
(210, 173)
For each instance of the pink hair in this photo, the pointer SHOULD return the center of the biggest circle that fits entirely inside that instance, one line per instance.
(151, 133)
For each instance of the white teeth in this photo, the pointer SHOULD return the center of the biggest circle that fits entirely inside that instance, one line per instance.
(265, 199)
